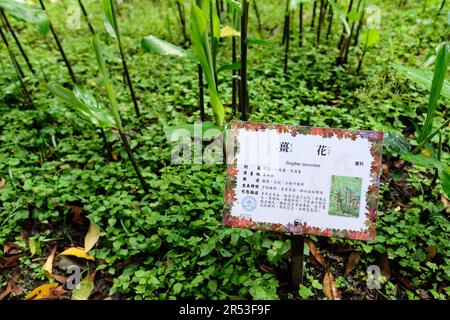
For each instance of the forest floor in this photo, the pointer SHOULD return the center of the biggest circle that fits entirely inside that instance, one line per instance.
(55, 176)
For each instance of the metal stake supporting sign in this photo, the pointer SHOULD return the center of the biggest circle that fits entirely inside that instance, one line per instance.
(297, 250)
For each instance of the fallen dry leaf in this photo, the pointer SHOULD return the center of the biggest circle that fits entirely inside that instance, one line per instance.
(10, 261)
(77, 252)
(92, 237)
(316, 254)
(385, 169)
(431, 252)
(41, 292)
(353, 260)
(10, 248)
(329, 289)
(48, 265)
(7, 291)
(2, 183)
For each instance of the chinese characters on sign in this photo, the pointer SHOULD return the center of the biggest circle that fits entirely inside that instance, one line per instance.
(303, 180)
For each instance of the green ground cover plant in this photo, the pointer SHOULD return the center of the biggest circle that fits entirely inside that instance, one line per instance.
(65, 165)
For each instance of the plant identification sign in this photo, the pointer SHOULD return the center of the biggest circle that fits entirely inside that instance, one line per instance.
(303, 180)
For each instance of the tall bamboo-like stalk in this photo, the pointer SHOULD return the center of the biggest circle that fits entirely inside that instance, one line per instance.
(244, 90)
(258, 17)
(60, 47)
(330, 22)
(17, 67)
(350, 5)
(348, 40)
(201, 94)
(124, 63)
(16, 39)
(182, 21)
(319, 26)
(300, 25)
(288, 36)
(85, 14)
(360, 24)
(442, 7)
(314, 13)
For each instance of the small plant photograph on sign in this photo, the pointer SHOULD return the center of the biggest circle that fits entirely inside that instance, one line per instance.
(345, 196)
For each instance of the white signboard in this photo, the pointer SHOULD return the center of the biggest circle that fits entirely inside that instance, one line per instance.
(304, 180)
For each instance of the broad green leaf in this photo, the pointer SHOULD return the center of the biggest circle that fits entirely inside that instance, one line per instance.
(84, 104)
(261, 42)
(353, 16)
(107, 82)
(423, 161)
(396, 143)
(155, 45)
(230, 66)
(371, 37)
(84, 289)
(423, 78)
(293, 4)
(440, 71)
(236, 5)
(445, 179)
(111, 19)
(202, 49)
(24, 12)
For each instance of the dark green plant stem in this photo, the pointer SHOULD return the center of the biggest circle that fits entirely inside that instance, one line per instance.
(234, 80)
(83, 9)
(361, 59)
(319, 26)
(124, 63)
(348, 40)
(182, 21)
(16, 39)
(60, 47)
(288, 38)
(436, 171)
(244, 29)
(133, 161)
(350, 5)
(105, 142)
(330, 22)
(258, 17)
(300, 27)
(360, 24)
(17, 68)
(430, 136)
(314, 14)
(201, 102)
(442, 7)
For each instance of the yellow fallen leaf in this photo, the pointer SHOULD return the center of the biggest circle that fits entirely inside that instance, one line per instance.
(77, 252)
(41, 292)
(48, 265)
(92, 237)
(426, 153)
(228, 32)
